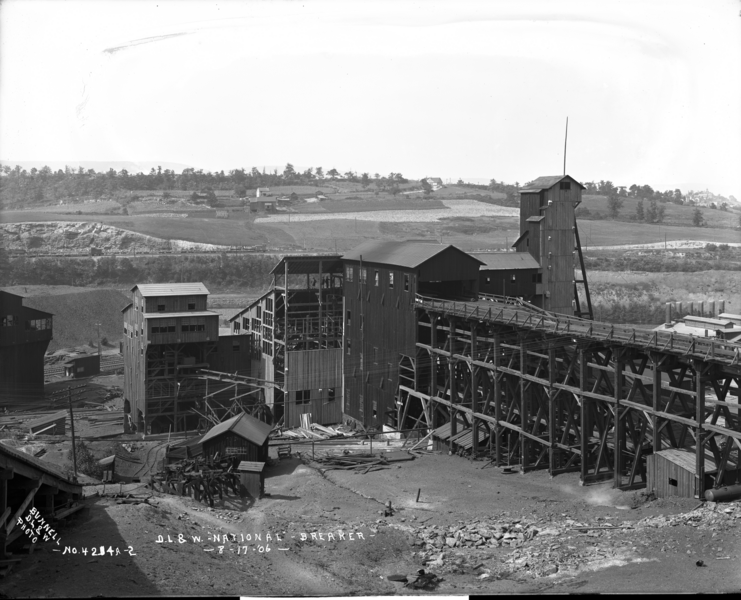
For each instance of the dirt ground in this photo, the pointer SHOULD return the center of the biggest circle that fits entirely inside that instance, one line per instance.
(328, 536)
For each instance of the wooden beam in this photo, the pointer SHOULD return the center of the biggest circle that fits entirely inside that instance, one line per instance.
(22, 507)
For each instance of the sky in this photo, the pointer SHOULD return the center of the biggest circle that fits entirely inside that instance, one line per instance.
(451, 89)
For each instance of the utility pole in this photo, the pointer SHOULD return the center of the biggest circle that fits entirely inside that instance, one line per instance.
(98, 326)
(70, 395)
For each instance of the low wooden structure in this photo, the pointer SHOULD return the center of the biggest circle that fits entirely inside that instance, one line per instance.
(27, 482)
(673, 472)
(54, 424)
(82, 366)
(238, 439)
(252, 478)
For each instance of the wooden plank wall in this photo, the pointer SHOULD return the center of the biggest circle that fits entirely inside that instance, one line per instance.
(314, 369)
(389, 329)
(173, 303)
(229, 439)
(558, 251)
(660, 470)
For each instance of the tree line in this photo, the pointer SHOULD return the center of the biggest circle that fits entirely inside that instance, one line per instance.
(19, 186)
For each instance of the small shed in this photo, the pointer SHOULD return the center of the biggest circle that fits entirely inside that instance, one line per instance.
(241, 438)
(54, 424)
(122, 466)
(82, 366)
(672, 472)
(251, 477)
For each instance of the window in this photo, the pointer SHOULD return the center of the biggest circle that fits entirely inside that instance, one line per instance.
(38, 324)
(349, 318)
(406, 282)
(514, 278)
(349, 346)
(391, 280)
(348, 273)
(170, 329)
(255, 325)
(376, 278)
(565, 185)
(160, 307)
(236, 326)
(363, 274)
(303, 397)
(80, 369)
(259, 312)
(269, 304)
(126, 331)
(537, 277)
(155, 329)
(8, 321)
(673, 482)
(330, 395)
(235, 345)
(191, 303)
(245, 323)
(267, 319)
(488, 280)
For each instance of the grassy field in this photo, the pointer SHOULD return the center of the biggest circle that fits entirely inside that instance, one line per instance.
(676, 214)
(77, 313)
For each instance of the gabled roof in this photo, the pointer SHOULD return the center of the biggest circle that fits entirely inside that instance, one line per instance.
(171, 289)
(244, 426)
(127, 307)
(546, 182)
(507, 261)
(400, 254)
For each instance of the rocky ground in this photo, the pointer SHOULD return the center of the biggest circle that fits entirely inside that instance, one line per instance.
(477, 530)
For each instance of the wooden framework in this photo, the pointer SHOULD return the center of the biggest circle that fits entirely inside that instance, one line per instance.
(568, 394)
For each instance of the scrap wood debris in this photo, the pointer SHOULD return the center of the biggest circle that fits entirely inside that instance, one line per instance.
(199, 477)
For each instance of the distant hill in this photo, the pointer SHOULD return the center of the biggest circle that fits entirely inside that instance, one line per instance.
(76, 315)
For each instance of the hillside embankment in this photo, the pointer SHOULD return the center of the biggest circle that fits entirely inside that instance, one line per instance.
(59, 237)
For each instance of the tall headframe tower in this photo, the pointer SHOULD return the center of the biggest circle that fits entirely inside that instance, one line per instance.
(549, 233)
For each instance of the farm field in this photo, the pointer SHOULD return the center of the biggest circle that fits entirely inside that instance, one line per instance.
(675, 214)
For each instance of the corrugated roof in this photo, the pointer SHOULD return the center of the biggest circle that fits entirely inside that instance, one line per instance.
(171, 289)
(400, 254)
(546, 182)
(193, 313)
(243, 425)
(507, 261)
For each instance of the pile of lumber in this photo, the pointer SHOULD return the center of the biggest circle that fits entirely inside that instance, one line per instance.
(361, 463)
(203, 479)
(313, 432)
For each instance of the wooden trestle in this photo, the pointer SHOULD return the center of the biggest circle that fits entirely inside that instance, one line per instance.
(568, 394)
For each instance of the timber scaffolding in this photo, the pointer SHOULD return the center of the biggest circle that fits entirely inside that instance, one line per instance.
(569, 394)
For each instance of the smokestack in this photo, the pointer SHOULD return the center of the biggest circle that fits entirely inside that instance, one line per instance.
(668, 320)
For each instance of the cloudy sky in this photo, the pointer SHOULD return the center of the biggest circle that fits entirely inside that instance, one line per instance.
(453, 89)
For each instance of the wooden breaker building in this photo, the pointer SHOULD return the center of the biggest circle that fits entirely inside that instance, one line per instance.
(548, 231)
(170, 336)
(25, 334)
(382, 281)
(297, 328)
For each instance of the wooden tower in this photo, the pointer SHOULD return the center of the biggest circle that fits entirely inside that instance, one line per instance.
(548, 231)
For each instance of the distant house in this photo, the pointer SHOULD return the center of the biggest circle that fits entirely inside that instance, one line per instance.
(434, 182)
(222, 214)
(321, 197)
(293, 197)
(262, 192)
(262, 205)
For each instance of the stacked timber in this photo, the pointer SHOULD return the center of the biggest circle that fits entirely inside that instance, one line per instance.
(360, 463)
(199, 478)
